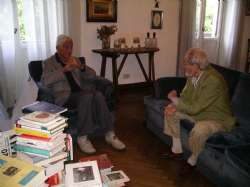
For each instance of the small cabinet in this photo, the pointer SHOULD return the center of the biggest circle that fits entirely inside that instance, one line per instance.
(247, 67)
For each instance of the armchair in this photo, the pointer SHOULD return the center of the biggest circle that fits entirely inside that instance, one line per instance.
(44, 94)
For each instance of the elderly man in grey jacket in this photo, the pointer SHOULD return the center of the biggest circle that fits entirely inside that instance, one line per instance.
(63, 76)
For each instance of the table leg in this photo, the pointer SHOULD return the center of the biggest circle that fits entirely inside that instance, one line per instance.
(149, 67)
(151, 59)
(115, 74)
(103, 66)
(122, 64)
(142, 68)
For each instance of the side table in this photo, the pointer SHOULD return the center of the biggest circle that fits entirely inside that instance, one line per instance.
(115, 53)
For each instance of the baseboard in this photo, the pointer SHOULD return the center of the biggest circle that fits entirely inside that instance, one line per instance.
(135, 86)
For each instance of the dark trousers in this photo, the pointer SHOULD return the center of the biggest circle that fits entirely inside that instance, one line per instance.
(93, 113)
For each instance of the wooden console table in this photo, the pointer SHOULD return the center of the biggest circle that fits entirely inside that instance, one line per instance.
(115, 53)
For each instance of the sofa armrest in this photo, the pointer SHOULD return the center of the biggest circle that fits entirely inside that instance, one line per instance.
(164, 85)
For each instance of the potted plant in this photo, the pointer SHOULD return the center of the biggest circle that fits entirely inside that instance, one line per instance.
(104, 34)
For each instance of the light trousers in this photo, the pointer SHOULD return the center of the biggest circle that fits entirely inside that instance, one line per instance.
(198, 136)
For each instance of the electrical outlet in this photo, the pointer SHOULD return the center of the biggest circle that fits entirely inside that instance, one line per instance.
(125, 76)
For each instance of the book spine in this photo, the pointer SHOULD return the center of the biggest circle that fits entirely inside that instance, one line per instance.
(32, 150)
(56, 120)
(33, 125)
(48, 148)
(32, 132)
(35, 137)
(55, 158)
(40, 144)
(39, 152)
(32, 128)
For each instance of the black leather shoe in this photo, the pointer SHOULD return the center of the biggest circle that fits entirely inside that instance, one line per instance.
(171, 155)
(186, 170)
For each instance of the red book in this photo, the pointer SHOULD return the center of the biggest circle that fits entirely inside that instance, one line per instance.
(103, 161)
(35, 137)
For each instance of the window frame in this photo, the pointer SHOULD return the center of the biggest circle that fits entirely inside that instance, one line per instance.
(202, 15)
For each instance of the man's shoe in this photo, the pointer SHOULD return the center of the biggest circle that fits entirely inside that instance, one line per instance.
(186, 170)
(171, 155)
(85, 145)
(113, 140)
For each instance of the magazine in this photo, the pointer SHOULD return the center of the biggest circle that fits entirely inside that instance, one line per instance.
(39, 116)
(43, 106)
(14, 172)
(115, 178)
(83, 174)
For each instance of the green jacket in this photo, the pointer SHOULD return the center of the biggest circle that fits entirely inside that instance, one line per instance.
(209, 100)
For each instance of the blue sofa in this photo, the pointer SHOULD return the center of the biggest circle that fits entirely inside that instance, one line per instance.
(225, 159)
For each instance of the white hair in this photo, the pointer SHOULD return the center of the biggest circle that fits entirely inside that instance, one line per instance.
(61, 39)
(196, 56)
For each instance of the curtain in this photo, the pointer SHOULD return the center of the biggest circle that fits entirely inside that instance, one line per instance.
(187, 32)
(43, 21)
(231, 32)
(7, 52)
(223, 49)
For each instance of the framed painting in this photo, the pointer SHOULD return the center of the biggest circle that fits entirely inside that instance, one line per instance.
(101, 10)
(156, 19)
(248, 8)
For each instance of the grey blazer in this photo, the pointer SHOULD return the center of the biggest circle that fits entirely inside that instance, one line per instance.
(54, 79)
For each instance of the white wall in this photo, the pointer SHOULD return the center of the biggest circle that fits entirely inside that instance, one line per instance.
(133, 20)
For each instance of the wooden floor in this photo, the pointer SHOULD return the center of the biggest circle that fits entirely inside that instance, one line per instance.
(141, 161)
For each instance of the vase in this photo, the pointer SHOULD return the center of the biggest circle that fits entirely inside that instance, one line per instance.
(106, 43)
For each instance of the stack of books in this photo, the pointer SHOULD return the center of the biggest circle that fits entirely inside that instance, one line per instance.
(41, 141)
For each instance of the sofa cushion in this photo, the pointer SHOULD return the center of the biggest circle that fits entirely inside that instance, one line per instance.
(240, 102)
(231, 77)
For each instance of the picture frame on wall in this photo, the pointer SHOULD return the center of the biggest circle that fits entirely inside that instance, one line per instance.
(101, 10)
(248, 8)
(156, 19)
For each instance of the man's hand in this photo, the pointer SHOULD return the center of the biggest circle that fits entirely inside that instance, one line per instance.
(170, 110)
(173, 97)
(172, 94)
(71, 64)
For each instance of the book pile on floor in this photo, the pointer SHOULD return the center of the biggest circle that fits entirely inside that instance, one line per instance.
(94, 171)
(41, 141)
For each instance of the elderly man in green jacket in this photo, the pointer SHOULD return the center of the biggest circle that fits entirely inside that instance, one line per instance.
(204, 101)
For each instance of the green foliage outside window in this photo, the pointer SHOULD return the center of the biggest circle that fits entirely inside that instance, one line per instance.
(22, 32)
(209, 19)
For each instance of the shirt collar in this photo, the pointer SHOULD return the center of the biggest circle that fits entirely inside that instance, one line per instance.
(195, 80)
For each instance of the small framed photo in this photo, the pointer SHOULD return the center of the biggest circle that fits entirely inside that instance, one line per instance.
(83, 174)
(156, 19)
(115, 177)
(101, 10)
(248, 8)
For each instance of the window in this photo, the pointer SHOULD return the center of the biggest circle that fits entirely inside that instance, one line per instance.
(208, 16)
